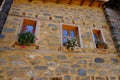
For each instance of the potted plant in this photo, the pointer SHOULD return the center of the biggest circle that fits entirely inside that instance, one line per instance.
(101, 45)
(26, 38)
(71, 43)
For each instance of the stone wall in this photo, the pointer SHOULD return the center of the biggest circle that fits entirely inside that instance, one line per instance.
(4, 12)
(50, 60)
(46, 64)
(50, 16)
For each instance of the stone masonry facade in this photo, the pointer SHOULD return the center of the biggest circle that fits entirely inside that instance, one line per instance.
(113, 19)
(50, 60)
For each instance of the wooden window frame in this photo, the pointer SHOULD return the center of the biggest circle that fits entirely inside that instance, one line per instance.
(93, 36)
(1, 6)
(36, 27)
(61, 34)
(55, 77)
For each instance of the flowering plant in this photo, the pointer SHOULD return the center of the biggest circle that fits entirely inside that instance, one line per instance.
(71, 43)
(101, 44)
(26, 38)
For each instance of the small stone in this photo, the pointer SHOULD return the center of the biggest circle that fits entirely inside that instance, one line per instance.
(59, 71)
(48, 58)
(1, 77)
(14, 56)
(85, 78)
(52, 25)
(1, 72)
(73, 71)
(82, 62)
(61, 57)
(99, 78)
(67, 77)
(82, 72)
(114, 60)
(102, 72)
(99, 60)
(52, 63)
(18, 62)
(41, 79)
(34, 62)
(75, 66)
(66, 70)
(48, 73)
(8, 30)
(58, 16)
(90, 71)
(2, 61)
(112, 78)
(41, 67)
(31, 74)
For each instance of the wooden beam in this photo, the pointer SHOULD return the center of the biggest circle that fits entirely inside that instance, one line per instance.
(44, 0)
(70, 2)
(82, 2)
(30, 0)
(57, 1)
(92, 2)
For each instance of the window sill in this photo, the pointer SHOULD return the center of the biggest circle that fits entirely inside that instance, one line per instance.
(104, 51)
(30, 46)
(64, 49)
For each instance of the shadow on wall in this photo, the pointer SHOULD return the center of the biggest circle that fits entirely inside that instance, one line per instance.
(114, 4)
(4, 12)
(112, 11)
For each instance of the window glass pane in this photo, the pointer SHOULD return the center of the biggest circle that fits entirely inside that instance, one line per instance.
(29, 28)
(72, 34)
(65, 34)
(95, 37)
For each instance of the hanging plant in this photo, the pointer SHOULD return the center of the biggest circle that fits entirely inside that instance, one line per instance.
(26, 38)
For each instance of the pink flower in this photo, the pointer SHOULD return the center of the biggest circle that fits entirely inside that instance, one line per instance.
(22, 47)
(36, 39)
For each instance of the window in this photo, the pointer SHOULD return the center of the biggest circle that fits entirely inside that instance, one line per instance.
(56, 78)
(28, 26)
(72, 32)
(98, 38)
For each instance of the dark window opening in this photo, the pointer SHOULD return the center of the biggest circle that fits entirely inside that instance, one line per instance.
(98, 38)
(1, 2)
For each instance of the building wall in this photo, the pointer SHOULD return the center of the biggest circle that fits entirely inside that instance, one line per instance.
(48, 31)
(50, 60)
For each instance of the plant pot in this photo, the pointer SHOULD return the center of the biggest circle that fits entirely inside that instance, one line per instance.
(100, 46)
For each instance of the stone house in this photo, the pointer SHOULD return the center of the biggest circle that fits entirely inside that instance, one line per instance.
(48, 59)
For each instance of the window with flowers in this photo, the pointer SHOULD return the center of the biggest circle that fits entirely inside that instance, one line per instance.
(99, 39)
(27, 32)
(70, 37)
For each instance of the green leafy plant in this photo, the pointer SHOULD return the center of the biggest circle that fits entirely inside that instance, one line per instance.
(26, 38)
(103, 44)
(71, 43)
